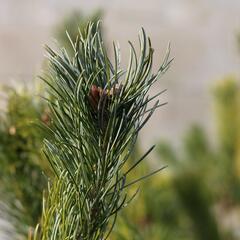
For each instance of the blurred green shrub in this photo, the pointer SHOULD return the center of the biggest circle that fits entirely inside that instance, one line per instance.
(200, 184)
(181, 207)
(227, 108)
(21, 161)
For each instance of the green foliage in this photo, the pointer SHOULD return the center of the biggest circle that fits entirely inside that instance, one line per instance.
(21, 178)
(227, 107)
(192, 177)
(181, 206)
(22, 163)
(154, 215)
(200, 184)
(97, 111)
(191, 193)
(205, 177)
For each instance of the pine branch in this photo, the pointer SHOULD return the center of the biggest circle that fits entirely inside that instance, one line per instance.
(97, 112)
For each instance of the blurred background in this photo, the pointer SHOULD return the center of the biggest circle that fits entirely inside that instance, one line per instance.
(197, 133)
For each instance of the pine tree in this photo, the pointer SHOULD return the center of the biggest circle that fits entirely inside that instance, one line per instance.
(22, 162)
(97, 111)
